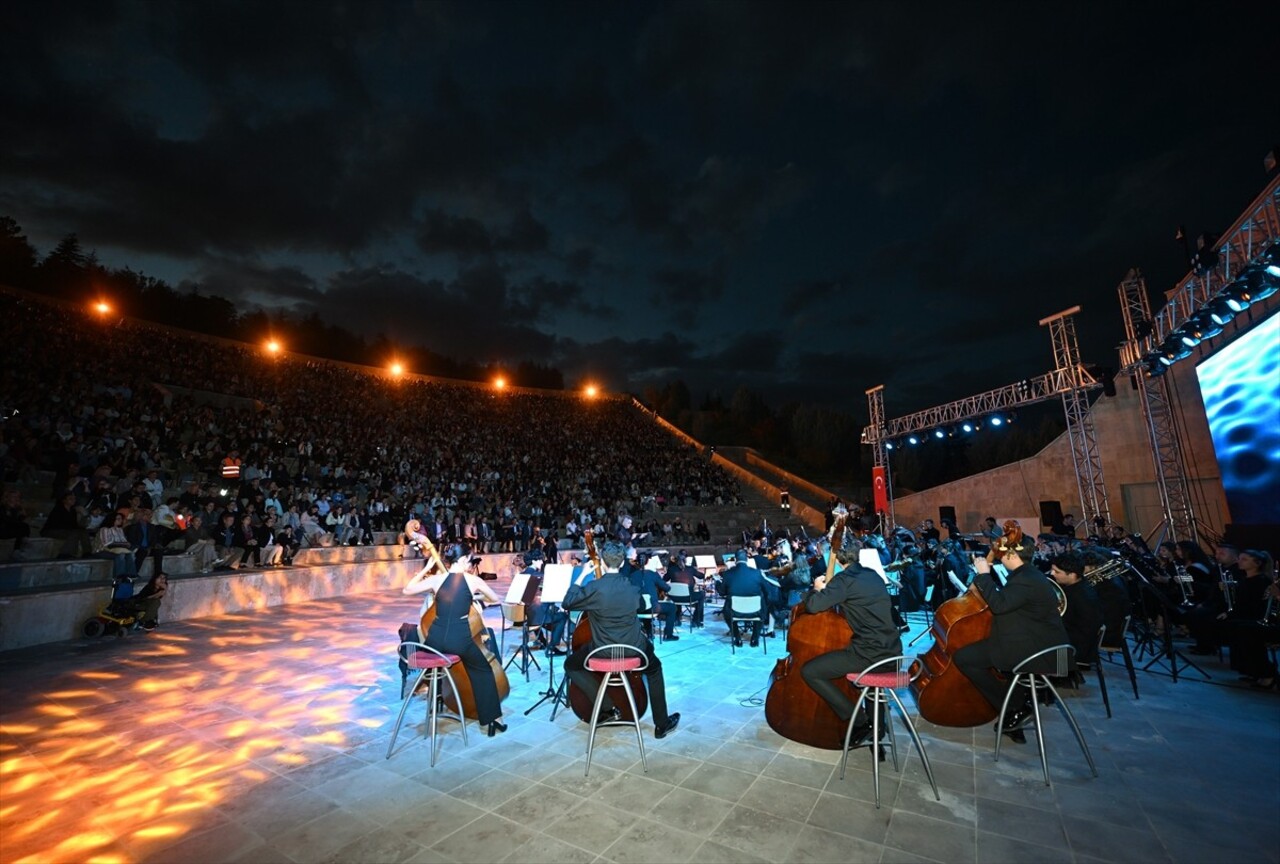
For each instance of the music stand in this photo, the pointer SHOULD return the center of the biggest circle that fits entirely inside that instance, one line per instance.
(556, 579)
(525, 589)
(1162, 650)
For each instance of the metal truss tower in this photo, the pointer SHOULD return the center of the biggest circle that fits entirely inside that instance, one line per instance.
(1075, 403)
(1157, 413)
(1069, 380)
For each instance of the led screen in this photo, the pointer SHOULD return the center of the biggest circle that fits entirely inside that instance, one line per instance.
(1241, 389)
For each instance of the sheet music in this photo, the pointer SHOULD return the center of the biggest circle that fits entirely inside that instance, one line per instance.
(555, 582)
(705, 562)
(515, 593)
(583, 573)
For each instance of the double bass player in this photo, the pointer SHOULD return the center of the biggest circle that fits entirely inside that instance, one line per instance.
(864, 600)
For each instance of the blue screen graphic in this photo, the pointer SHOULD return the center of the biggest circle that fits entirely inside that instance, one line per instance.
(1241, 389)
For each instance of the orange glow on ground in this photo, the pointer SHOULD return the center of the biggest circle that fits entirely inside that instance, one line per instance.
(115, 751)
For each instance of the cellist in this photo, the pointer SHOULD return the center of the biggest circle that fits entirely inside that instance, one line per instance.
(864, 599)
(1025, 620)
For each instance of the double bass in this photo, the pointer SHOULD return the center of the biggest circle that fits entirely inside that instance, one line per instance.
(578, 701)
(792, 708)
(945, 694)
(466, 694)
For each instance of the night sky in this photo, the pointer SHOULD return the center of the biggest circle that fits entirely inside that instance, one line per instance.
(808, 200)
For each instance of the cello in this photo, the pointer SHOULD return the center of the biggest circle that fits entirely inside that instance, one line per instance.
(944, 694)
(792, 708)
(461, 678)
(578, 699)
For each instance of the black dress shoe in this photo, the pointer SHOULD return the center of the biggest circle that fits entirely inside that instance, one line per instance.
(672, 722)
(1018, 720)
(613, 715)
(861, 735)
(497, 726)
(737, 643)
(671, 637)
(1017, 736)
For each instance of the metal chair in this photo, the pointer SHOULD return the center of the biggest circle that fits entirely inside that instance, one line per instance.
(1062, 658)
(615, 661)
(646, 618)
(683, 598)
(746, 609)
(878, 683)
(1121, 647)
(433, 664)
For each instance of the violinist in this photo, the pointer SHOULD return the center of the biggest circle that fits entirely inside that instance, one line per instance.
(1025, 620)
(611, 603)
(450, 633)
(864, 600)
(678, 570)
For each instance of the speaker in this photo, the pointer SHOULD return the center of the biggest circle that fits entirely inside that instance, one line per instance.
(946, 514)
(1051, 513)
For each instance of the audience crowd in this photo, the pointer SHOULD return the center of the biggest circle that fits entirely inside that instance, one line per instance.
(241, 456)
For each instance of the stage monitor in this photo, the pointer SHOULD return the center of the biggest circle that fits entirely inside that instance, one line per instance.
(1240, 385)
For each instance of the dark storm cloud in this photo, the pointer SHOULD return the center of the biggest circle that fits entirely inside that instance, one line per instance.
(841, 183)
(467, 237)
(684, 291)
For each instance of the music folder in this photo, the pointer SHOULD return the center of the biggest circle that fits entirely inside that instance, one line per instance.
(515, 592)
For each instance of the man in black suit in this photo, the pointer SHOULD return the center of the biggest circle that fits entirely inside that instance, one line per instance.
(864, 599)
(611, 604)
(1024, 620)
(649, 583)
(743, 581)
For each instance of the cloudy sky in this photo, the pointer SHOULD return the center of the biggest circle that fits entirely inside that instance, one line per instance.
(807, 199)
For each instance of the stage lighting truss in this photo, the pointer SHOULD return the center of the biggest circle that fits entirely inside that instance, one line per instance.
(1246, 270)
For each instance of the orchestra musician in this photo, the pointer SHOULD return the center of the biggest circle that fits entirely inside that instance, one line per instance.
(678, 570)
(611, 603)
(864, 600)
(1025, 620)
(450, 633)
(1084, 615)
(743, 580)
(421, 583)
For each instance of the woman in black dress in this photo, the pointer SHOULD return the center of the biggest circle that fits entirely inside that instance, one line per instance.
(450, 633)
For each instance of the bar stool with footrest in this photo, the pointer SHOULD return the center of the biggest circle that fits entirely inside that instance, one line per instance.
(435, 666)
(1062, 658)
(879, 683)
(615, 661)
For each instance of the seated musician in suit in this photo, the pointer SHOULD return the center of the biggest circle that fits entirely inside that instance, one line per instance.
(450, 633)
(1025, 620)
(1083, 616)
(742, 580)
(649, 583)
(865, 603)
(611, 604)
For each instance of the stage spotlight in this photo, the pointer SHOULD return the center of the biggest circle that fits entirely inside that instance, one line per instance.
(590, 391)
(1270, 261)
(1220, 312)
(1190, 334)
(1207, 326)
(1264, 283)
(939, 434)
(966, 427)
(1155, 367)
(888, 445)
(1240, 293)
(272, 346)
(997, 420)
(499, 383)
(396, 369)
(913, 440)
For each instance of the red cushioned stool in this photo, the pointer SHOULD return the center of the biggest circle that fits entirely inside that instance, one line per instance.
(434, 665)
(879, 683)
(615, 662)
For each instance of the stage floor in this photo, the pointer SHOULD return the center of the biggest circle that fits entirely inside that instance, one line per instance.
(261, 738)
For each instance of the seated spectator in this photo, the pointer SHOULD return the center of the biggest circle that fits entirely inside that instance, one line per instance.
(13, 518)
(66, 523)
(198, 543)
(289, 544)
(147, 601)
(165, 520)
(143, 536)
(224, 539)
(246, 540)
(111, 544)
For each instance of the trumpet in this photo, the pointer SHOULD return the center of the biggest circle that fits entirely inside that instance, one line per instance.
(1101, 574)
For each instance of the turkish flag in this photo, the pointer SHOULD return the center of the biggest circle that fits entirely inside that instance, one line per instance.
(880, 488)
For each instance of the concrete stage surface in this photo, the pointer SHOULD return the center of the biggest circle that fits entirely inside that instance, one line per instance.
(260, 737)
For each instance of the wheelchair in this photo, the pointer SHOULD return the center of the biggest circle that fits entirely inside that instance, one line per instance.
(119, 617)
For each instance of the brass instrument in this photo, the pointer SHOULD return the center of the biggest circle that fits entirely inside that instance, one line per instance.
(1062, 596)
(1228, 589)
(1098, 575)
